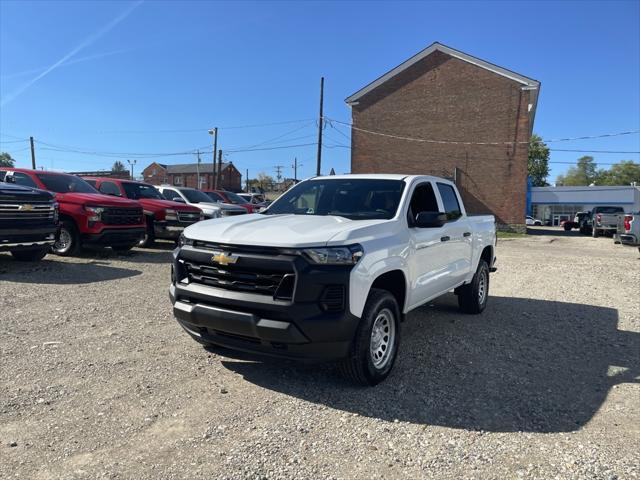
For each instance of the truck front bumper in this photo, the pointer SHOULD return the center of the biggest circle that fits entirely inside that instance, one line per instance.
(168, 230)
(301, 327)
(114, 236)
(27, 238)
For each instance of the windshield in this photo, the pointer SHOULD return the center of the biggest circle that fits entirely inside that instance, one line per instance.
(196, 196)
(357, 199)
(235, 198)
(60, 183)
(136, 191)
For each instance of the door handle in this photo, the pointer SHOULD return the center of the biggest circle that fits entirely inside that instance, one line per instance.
(445, 239)
(466, 234)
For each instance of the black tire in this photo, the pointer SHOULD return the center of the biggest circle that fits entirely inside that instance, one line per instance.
(595, 233)
(67, 240)
(470, 297)
(363, 366)
(567, 227)
(149, 237)
(30, 255)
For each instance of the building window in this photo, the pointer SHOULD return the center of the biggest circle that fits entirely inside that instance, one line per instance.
(177, 180)
(154, 172)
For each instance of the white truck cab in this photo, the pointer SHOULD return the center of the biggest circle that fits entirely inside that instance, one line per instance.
(329, 270)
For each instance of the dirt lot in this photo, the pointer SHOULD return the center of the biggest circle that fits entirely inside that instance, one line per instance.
(97, 380)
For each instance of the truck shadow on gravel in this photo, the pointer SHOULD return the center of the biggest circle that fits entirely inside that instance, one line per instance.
(52, 272)
(523, 365)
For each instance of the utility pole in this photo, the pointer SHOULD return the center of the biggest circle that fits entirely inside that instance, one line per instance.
(247, 180)
(219, 169)
(198, 169)
(295, 169)
(132, 164)
(33, 154)
(320, 122)
(214, 132)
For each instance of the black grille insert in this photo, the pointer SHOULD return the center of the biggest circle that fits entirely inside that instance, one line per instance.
(332, 299)
(122, 216)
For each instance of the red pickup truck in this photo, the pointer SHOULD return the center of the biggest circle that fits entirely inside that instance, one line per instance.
(164, 218)
(86, 216)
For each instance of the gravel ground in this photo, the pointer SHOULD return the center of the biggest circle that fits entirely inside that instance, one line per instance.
(97, 380)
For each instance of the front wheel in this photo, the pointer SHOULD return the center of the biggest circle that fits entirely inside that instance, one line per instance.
(149, 237)
(375, 346)
(30, 255)
(472, 297)
(68, 241)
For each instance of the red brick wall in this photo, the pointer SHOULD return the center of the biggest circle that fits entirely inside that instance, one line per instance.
(444, 98)
(154, 174)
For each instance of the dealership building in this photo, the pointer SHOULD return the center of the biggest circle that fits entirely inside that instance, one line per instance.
(552, 205)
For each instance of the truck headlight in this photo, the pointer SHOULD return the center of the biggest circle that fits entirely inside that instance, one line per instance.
(335, 255)
(213, 214)
(95, 213)
(182, 241)
(171, 215)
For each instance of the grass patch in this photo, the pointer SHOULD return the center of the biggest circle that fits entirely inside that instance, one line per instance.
(510, 235)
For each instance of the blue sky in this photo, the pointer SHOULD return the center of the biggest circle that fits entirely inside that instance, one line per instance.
(152, 77)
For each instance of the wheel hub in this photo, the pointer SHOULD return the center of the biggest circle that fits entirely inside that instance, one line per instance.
(382, 338)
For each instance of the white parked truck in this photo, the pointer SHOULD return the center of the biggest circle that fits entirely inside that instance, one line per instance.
(331, 268)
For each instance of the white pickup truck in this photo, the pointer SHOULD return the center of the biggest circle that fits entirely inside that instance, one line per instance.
(331, 268)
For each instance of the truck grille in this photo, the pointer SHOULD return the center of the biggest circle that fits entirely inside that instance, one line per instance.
(276, 284)
(188, 217)
(122, 216)
(229, 213)
(27, 213)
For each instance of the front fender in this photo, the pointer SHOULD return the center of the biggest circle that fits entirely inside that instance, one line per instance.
(367, 271)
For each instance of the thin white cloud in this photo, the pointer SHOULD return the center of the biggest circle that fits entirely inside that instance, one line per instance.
(70, 62)
(81, 46)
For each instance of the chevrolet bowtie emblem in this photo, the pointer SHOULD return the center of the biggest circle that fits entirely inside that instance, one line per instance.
(26, 207)
(224, 258)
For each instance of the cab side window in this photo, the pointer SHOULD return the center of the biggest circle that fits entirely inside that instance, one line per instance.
(110, 188)
(24, 180)
(422, 200)
(170, 194)
(450, 201)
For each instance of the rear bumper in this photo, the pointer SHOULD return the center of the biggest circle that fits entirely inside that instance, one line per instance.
(629, 239)
(120, 236)
(27, 238)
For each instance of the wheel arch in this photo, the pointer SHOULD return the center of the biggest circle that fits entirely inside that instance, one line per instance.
(394, 282)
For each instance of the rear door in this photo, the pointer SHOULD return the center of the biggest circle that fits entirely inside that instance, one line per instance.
(457, 234)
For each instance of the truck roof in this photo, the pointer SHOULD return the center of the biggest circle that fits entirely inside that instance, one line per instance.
(381, 176)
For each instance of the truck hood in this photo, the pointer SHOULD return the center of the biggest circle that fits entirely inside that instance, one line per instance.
(288, 231)
(13, 192)
(95, 199)
(158, 203)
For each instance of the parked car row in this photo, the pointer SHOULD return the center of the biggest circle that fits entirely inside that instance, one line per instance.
(42, 211)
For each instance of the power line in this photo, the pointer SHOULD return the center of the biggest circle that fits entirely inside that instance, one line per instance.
(454, 142)
(589, 151)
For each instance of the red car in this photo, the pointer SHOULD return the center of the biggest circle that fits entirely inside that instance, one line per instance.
(232, 198)
(164, 218)
(86, 216)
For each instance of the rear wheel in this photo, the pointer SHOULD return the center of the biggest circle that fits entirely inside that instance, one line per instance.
(595, 233)
(68, 240)
(30, 255)
(567, 227)
(472, 297)
(375, 345)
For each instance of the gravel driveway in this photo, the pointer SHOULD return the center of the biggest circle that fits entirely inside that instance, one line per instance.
(97, 380)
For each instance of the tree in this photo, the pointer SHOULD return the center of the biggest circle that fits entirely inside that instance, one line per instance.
(538, 161)
(623, 173)
(6, 160)
(265, 182)
(584, 173)
(118, 167)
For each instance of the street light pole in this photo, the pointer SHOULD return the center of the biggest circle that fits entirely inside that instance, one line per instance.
(132, 164)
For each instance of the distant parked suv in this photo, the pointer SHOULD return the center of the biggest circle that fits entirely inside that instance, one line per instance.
(28, 221)
(196, 198)
(164, 219)
(223, 196)
(86, 216)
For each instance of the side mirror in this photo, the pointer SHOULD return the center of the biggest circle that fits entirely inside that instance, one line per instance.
(430, 219)
(9, 179)
(178, 199)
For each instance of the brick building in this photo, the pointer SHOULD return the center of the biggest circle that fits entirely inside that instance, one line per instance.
(186, 175)
(444, 94)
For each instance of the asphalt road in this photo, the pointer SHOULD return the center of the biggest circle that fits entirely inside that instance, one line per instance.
(98, 381)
